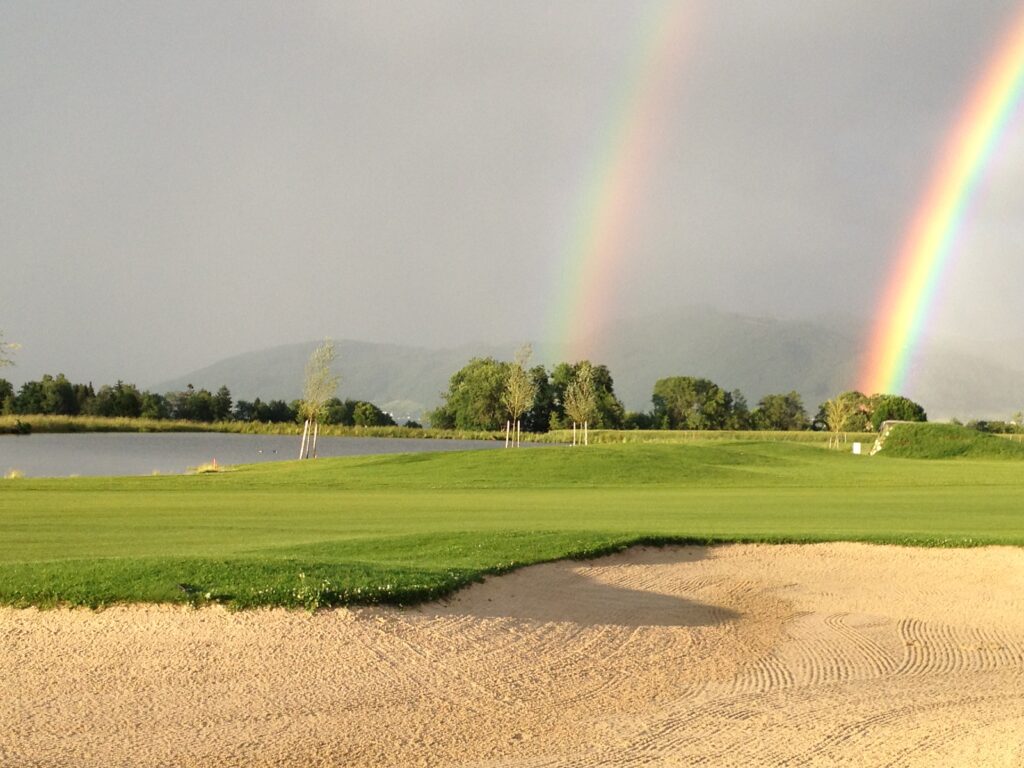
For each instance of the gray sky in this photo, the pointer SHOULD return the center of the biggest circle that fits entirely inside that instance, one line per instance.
(184, 181)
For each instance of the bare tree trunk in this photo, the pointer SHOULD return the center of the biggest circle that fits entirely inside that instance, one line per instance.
(574, 433)
(316, 431)
(519, 434)
(508, 426)
(302, 445)
(586, 433)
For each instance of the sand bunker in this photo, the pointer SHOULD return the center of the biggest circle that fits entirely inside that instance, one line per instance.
(835, 654)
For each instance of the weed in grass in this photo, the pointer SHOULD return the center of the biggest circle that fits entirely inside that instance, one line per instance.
(209, 468)
(14, 474)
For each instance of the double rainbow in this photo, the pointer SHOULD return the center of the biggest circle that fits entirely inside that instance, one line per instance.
(929, 242)
(589, 266)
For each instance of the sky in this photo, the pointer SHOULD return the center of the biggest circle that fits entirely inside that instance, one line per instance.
(184, 181)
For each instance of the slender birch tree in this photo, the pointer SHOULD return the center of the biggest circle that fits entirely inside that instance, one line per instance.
(838, 411)
(519, 395)
(581, 401)
(320, 385)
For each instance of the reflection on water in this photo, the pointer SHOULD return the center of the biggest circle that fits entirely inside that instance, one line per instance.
(174, 453)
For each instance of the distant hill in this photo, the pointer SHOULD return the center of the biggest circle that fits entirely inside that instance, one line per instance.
(756, 355)
(402, 379)
(760, 355)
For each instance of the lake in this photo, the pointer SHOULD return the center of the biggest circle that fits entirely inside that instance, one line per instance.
(123, 453)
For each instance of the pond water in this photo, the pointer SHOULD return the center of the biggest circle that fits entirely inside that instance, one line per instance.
(121, 453)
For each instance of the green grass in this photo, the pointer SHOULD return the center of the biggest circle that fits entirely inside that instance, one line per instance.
(604, 436)
(403, 528)
(947, 441)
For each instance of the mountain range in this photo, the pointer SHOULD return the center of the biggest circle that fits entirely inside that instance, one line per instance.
(756, 355)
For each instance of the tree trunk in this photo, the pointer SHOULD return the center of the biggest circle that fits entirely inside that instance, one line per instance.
(586, 433)
(305, 432)
(508, 426)
(574, 433)
(316, 431)
(519, 434)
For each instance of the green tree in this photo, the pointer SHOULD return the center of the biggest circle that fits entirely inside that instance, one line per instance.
(154, 406)
(740, 416)
(474, 397)
(780, 412)
(52, 395)
(686, 402)
(122, 400)
(894, 408)
(84, 395)
(538, 417)
(519, 393)
(369, 415)
(6, 395)
(837, 414)
(319, 386)
(859, 416)
(338, 412)
(244, 411)
(581, 401)
(635, 420)
(30, 398)
(609, 413)
(191, 404)
(222, 404)
(59, 396)
(276, 412)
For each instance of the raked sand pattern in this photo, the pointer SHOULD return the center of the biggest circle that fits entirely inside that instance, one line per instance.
(830, 654)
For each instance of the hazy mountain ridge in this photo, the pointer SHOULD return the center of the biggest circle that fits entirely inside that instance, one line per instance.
(404, 379)
(756, 355)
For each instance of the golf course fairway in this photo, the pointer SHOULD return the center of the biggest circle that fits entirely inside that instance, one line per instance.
(408, 527)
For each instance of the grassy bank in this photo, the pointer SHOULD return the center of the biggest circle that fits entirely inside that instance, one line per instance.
(65, 424)
(59, 424)
(402, 528)
(947, 441)
(676, 436)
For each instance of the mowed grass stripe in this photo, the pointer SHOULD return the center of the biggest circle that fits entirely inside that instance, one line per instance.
(410, 527)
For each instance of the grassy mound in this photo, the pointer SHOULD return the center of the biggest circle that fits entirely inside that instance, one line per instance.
(948, 441)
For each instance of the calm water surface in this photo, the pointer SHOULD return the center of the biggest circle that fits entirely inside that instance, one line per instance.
(173, 453)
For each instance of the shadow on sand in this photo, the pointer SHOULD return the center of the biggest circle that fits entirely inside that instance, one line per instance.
(571, 592)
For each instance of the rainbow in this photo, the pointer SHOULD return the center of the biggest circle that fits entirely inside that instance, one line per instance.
(587, 271)
(929, 241)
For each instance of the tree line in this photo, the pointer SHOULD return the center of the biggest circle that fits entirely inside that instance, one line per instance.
(480, 397)
(487, 394)
(57, 396)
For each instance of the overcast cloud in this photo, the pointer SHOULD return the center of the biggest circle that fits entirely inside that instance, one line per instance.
(181, 181)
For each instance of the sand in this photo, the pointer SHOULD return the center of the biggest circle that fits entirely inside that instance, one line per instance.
(834, 654)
